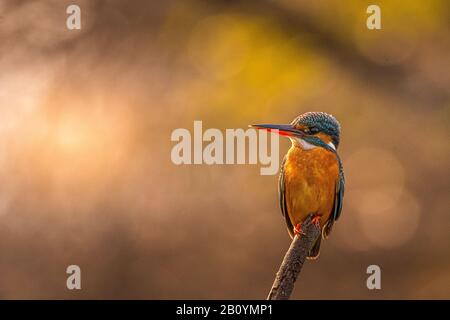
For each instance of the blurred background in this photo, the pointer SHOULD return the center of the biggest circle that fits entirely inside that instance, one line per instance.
(86, 118)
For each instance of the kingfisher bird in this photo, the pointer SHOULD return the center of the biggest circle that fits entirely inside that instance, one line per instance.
(312, 179)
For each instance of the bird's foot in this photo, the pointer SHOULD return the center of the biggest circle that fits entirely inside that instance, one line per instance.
(316, 220)
(298, 229)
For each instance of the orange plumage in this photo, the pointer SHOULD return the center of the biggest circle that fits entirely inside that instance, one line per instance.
(310, 178)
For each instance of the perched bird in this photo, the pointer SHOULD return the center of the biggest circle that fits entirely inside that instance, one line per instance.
(312, 177)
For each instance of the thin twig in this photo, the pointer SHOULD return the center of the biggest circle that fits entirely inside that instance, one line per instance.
(293, 261)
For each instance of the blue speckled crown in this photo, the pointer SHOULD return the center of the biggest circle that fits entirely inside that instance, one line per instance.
(324, 122)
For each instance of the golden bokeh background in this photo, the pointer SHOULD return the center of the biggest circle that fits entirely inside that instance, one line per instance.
(86, 118)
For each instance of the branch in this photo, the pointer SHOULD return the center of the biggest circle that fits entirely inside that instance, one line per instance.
(293, 261)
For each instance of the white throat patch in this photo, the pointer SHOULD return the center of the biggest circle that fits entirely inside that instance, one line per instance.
(303, 144)
(331, 144)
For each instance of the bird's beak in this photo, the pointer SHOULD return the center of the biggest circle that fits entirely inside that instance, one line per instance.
(283, 129)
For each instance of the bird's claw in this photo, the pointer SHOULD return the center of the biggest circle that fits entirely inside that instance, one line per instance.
(316, 220)
(298, 229)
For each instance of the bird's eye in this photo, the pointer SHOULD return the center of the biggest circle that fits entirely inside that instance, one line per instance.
(311, 130)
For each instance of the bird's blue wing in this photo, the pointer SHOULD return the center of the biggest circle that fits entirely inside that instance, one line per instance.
(282, 195)
(340, 188)
(338, 201)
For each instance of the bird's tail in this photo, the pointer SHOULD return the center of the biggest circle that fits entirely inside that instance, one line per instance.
(314, 253)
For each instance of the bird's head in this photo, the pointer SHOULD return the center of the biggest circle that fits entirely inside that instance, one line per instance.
(308, 128)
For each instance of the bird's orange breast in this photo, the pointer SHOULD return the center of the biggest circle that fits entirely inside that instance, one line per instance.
(310, 183)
